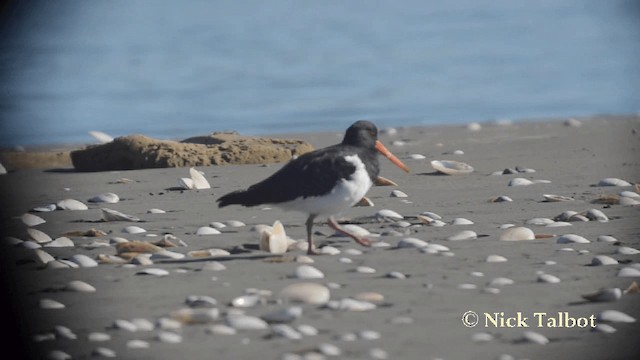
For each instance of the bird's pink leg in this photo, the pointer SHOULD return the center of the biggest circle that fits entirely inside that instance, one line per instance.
(335, 226)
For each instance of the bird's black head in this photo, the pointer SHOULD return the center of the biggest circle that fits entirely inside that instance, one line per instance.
(362, 133)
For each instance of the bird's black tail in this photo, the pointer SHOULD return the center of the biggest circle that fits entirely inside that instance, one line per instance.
(239, 197)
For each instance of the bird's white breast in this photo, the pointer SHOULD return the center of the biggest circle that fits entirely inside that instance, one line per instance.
(345, 194)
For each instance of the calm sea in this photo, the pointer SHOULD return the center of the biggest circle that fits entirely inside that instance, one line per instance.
(173, 69)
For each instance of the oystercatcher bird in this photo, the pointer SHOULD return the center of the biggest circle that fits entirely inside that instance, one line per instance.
(323, 182)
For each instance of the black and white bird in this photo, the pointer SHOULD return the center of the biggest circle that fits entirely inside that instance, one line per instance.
(324, 182)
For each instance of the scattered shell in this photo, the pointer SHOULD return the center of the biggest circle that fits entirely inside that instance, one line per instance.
(42, 257)
(58, 355)
(207, 230)
(548, 278)
(572, 238)
(348, 304)
(463, 235)
(114, 215)
(383, 181)
(603, 260)
(307, 272)
(61, 242)
(365, 201)
(102, 137)
(520, 182)
(630, 194)
(625, 201)
(604, 328)
(519, 233)
(482, 337)
(50, 304)
(196, 301)
(329, 349)
(98, 336)
(625, 250)
(398, 194)
(103, 352)
(613, 182)
(370, 296)
(83, 261)
(501, 281)
(196, 316)
(274, 240)
(221, 329)
(602, 295)
(109, 198)
(306, 292)
(71, 204)
(412, 243)
(246, 322)
(354, 229)
(138, 344)
(451, 167)
(461, 221)
(534, 337)
(307, 330)
(45, 208)
(386, 214)
(38, 236)
(168, 337)
(556, 198)
(329, 250)
(539, 221)
(247, 301)
(134, 230)
(166, 323)
(153, 271)
(501, 198)
(607, 239)
(628, 271)
(365, 270)
(416, 157)
(396, 275)
(496, 258)
(185, 183)
(286, 331)
(597, 215)
(615, 316)
(285, 315)
(32, 220)
(79, 286)
(156, 211)
(199, 181)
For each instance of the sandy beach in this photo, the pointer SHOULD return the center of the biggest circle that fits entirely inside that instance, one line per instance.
(410, 300)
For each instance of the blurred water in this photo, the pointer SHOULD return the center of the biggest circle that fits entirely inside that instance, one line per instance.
(174, 69)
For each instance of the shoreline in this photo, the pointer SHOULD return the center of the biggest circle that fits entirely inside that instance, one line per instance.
(420, 296)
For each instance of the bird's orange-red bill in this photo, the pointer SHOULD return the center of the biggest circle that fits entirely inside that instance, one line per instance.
(384, 151)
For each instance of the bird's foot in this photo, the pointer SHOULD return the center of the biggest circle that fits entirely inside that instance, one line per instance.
(363, 241)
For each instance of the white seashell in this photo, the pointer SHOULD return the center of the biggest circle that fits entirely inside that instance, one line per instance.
(416, 157)
(41, 257)
(431, 215)
(520, 182)
(64, 332)
(572, 238)
(625, 201)
(285, 315)
(604, 328)
(307, 272)
(565, 216)
(474, 126)
(615, 316)
(286, 332)
(628, 271)
(519, 233)
(206, 230)
(437, 247)
(625, 250)
(58, 355)
(29, 244)
(98, 336)
(307, 330)
(45, 208)
(579, 217)
(613, 182)
(102, 137)
(398, 194)
(155, 211)
(235, 223)
(247, 301)
(348, 304)
(32, 220)
(534, 337)
(463, 235)
(386, 214)
(559, 224)
(168, 337)
(153, 271)
(109, 198)
(354, 229)
(630, 194)
(185, 183)
(199, 181)
(245, 322)
(114, 215)
(607, 239)
(51, 304)
(221, 329)
(412, 243)
(548, 278)
(103, 352)
(134, 230)
(539, 221)
(166, 254)
(329, 250)
(329, 349)
(71, 204)
(200, 301)
(556, 198)
(306, 292)
(38, 236)
(458, 152)
(218, 225)
(502, 198)
(396, 275)
(83, 261)
(3, 170)
(451, 167)
(398, 143)
(274, 240)
(597, 215)
(365, 270)
(143, 324)
(138, 344)
(461, 221)
(304, 259)
(496, 258)
(196, 316)
(79, 286)
(603, 260)
(166, 323)
(501, 281)
(369, 335)
(61, 242)
(604, 295)
(540, 181)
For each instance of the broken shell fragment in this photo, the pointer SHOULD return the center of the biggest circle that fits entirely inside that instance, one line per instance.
(114, 215)
(274, 240)
(556, 198)
(199, 181)
(451, 167)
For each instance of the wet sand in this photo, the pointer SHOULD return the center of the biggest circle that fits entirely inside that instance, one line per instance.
(420, 317)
